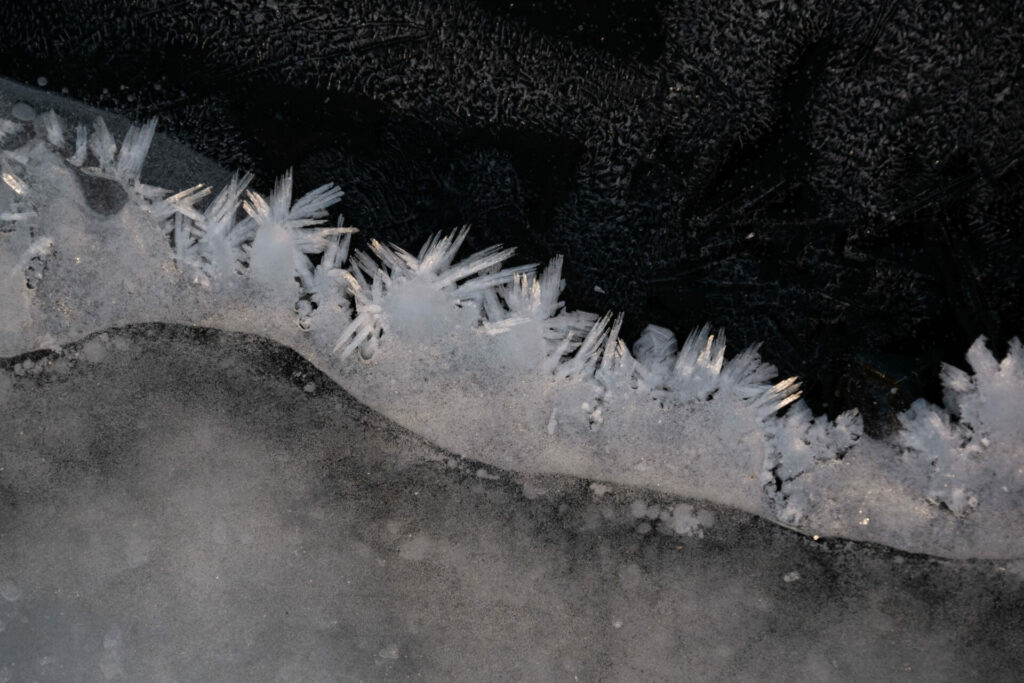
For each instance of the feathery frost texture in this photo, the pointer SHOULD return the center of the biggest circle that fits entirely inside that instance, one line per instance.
(417, 296)
(525, 383)
(972, 452)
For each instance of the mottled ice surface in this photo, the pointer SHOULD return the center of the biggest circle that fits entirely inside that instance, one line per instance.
(188, 505)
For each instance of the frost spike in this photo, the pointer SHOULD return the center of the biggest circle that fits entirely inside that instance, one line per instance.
(181, 203)
(981, 359)
(582, 361)
(481, 260)
(778, 397)
(337, 249)
(491, 280)
(102, 144)
(611, 343)
(53, 128)
(81, 146)
(686, 361)
(134, 149)
(12, 181)
(307, 211)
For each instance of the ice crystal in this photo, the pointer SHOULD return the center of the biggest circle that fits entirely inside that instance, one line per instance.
(979, 440)
(326, 282)
(81, 146)
(655, 350)
(699, 370)
(212, 240)
(52, 127)
(282, 238)
(535, 298)
(800, 440)
(20, 207)
(124, 165)
(700, 422)
(416, 296)
(531, 319)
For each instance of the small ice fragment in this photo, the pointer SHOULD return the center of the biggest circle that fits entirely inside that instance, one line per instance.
(791, 577)
(484, 474)
(644, 528)
(598, 289)
(310, 387)
(599, 489)
(389, 652)
(42, 81)
(23, 111)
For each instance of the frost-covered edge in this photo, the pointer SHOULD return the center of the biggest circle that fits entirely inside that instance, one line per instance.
(281, 246)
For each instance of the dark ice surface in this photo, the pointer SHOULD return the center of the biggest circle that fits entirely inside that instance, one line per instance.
(191, 505)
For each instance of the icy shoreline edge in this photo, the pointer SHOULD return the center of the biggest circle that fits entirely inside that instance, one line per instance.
(484, 362)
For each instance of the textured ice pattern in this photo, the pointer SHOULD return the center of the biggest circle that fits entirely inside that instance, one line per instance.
(481, 358)
(181, 504)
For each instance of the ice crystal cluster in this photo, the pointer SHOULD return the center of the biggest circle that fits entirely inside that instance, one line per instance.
(482, 358)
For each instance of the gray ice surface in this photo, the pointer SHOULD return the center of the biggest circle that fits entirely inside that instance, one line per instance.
(189, 505)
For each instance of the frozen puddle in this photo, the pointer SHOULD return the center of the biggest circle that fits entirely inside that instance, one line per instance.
(190, 505)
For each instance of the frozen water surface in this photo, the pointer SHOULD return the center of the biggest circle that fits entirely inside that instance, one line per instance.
(481, 357)
(177, 505)
(181, 503)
